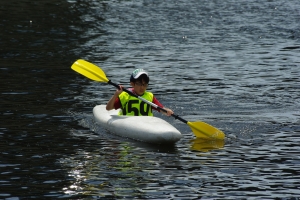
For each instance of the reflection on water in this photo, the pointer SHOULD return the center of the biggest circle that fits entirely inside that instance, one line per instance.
(107, 173)
(199, 144)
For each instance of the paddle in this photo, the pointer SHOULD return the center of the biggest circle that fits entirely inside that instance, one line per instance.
(200, 129)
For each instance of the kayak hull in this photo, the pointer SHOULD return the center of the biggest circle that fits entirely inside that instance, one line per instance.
(142, 128)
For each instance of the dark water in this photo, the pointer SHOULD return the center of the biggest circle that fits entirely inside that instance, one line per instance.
(233, 64)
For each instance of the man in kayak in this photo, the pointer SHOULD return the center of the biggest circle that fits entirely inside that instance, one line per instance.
(131, 105)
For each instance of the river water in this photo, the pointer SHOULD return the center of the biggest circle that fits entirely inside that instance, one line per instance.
(233, 64)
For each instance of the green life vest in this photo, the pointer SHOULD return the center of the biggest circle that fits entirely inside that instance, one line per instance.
(133, 106)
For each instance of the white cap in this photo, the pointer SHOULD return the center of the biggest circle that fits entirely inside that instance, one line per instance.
(136, 73)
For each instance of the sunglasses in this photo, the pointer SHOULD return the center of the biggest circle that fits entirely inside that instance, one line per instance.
(140, 84)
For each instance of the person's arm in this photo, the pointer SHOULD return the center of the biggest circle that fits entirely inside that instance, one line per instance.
(169, 111)
(111, 103)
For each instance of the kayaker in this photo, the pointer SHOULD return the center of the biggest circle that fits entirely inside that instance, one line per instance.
(131, 105)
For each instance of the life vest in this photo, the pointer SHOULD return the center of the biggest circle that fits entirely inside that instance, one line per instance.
(133, 106)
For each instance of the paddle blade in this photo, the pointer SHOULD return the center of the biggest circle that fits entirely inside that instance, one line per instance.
(206, 131)
(89, 70)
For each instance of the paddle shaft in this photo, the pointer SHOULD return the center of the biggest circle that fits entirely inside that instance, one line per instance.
(146, 101)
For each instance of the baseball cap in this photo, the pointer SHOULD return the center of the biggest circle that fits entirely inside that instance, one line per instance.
(137, 73)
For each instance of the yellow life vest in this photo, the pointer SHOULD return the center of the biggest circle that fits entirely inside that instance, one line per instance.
(133, 106)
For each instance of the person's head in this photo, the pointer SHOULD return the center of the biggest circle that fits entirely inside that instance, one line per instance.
(139, 81)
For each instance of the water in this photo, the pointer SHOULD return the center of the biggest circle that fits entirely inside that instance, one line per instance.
(233, 64)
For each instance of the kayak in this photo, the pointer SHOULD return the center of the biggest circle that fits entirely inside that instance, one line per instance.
(142, 128)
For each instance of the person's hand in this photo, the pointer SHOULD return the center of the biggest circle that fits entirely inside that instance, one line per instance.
(111, 102)
(119, 90)
(169, 112)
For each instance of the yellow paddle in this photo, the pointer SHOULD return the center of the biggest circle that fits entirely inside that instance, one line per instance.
(200, 129)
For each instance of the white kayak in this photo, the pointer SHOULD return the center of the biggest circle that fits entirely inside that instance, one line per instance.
(143, 128)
